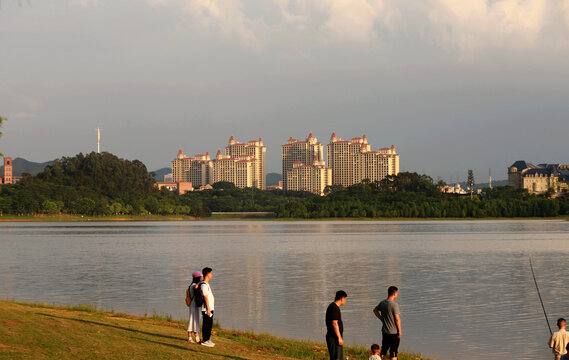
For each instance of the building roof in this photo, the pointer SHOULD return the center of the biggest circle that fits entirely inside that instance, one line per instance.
(563, 175)
(522, 165)
(538, 171)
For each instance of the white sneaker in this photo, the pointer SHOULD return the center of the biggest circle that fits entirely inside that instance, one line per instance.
(208, 343)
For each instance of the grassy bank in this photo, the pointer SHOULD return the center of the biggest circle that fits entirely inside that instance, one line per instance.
(79, 218)
(41, 331)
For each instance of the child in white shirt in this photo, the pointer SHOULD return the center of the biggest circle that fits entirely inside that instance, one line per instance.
(375, 352)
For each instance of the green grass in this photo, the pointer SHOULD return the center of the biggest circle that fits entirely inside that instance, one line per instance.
(44, 331)
(74, 218)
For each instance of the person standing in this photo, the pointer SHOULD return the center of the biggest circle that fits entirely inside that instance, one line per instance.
(208, 306)
(559, 340)
(335, 327)
(387, 311)
(195, 319)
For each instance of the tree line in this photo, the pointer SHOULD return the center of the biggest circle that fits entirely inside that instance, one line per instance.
(410, 195)
(103, 184)
(94, 184)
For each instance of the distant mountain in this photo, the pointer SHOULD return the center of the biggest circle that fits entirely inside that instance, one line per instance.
(273, 178)
(495, 183)
(159, 174)
(20, 166)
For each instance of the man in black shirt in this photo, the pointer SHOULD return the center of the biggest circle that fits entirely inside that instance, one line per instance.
(334, 327)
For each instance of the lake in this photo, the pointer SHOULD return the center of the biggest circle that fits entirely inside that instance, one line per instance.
(466, 288)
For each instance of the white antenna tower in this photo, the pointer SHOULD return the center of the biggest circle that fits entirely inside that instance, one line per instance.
(490, 178)
(98, 141)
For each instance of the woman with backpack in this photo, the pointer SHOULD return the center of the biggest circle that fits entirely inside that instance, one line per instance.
(195, 319)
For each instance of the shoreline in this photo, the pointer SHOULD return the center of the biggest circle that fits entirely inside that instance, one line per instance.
(262, 216)
(38, 330)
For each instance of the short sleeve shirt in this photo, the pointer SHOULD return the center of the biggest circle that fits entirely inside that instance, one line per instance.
(333, 313)
(388, 309)
(206, 289)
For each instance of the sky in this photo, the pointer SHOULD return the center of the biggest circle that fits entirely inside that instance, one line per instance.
(453, 84)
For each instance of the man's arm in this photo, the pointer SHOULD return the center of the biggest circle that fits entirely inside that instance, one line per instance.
(551, 341)
(398, 323)
(206, 303)
(377, 314)
(337, 331)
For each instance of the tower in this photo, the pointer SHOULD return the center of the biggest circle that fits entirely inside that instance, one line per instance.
(8, 170)
(490, 178)
(98, 141)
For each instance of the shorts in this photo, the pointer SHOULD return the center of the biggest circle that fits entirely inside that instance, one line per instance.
(390, 342)
(336, 351)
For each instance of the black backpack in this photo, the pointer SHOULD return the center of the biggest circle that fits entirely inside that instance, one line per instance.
(198, 295)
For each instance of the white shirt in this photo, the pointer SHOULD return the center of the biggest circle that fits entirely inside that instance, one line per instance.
(375, 357)
(206, 289)
(558, 342)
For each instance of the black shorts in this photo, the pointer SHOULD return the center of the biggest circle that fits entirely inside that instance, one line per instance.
(336, 351)
(390, 342)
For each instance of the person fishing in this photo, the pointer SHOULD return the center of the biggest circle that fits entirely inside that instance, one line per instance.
(559, 340)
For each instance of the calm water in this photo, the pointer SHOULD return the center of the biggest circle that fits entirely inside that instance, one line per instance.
(466, 288)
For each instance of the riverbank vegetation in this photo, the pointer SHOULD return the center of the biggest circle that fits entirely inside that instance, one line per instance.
(102, 186)
(410, 195)
(42, 331)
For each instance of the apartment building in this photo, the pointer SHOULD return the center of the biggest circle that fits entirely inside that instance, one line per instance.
(353, 160)
(256, 152)
(304, 152)
(239, 170)
(312, 177)
(197, 170)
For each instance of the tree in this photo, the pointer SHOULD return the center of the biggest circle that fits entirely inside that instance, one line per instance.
(224, 185)
(470, 182)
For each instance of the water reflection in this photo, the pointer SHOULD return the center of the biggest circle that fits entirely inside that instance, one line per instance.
(465, 286)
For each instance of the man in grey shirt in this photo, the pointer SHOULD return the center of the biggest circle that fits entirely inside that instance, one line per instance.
(388, 312)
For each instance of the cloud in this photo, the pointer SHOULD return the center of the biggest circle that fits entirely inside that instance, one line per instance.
(84, 3)
(293, 12)
(565, 8)
(467, 26)
(352, 20)
(225, 16)
(475, 24)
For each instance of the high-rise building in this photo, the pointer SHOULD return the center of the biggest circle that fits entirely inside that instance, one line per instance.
(353, 161)
(313, 178)
(197, 170)
(7, 179)
(256, 151)
(239, 170)
(303, 151)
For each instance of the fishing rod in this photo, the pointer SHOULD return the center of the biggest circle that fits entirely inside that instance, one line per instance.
(539, 294)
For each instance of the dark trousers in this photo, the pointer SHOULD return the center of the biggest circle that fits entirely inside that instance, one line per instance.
(390, 342)
(207, 325)
(336, 351)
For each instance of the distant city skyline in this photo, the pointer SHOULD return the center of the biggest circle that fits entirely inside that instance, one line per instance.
(454, 85)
